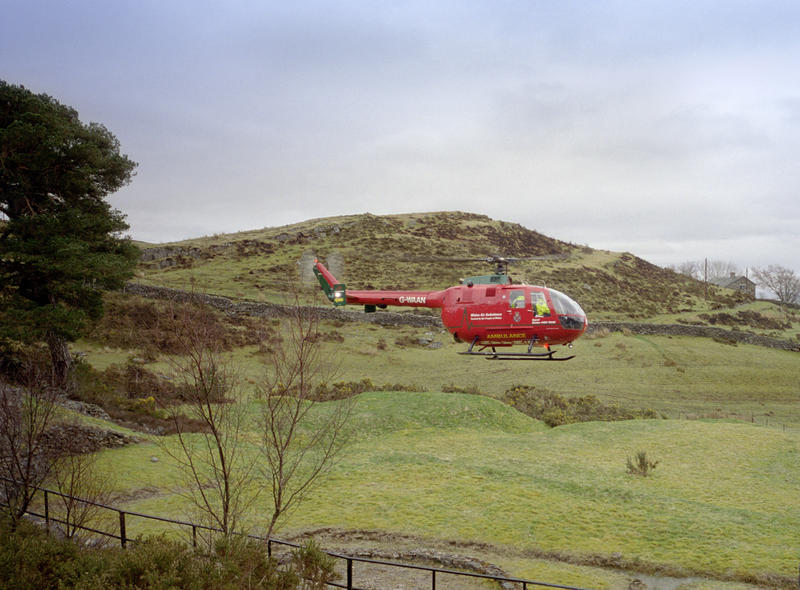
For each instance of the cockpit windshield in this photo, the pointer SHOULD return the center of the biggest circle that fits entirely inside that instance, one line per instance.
(569, 313)
(564, 305)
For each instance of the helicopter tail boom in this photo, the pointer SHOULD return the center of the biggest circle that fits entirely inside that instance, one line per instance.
(333, 289)
(339, 295)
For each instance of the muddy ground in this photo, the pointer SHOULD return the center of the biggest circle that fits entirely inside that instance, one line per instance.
(470, 557)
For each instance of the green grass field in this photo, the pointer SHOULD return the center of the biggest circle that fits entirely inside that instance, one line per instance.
(723, 501)
(549, 504)
(677, 376)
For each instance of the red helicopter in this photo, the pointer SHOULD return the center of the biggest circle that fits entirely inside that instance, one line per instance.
(487, 311)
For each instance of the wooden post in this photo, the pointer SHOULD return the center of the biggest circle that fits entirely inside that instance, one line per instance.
(122, 538)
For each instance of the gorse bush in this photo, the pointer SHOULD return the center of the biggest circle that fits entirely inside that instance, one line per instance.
(314, 567)
(246, 561)
(342, 389)
(556, 410)
(30, 559)
(640, 465)
(133, 396)
(346, 389)
(451, 388)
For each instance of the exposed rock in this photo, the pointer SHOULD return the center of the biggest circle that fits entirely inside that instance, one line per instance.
(85, 408)
(76, 439)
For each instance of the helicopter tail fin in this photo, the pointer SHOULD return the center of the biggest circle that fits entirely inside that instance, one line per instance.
(333, 289)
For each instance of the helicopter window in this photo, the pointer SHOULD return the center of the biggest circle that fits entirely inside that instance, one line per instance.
(564, 305)
(516, 299)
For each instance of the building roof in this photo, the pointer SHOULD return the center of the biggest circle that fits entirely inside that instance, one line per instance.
(732, 280)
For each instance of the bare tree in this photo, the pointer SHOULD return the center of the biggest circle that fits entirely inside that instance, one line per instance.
(217, 476)
(782, 282)
(721, 269)
(689, 268)
(697, 269)
(26, 416)
(83, 486)
(300, 440)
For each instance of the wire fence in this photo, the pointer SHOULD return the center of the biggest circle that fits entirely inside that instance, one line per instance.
(349, 565)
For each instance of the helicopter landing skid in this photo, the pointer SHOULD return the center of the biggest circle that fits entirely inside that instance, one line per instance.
(515, 356)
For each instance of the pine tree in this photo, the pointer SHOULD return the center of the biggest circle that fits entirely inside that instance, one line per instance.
(61, 243)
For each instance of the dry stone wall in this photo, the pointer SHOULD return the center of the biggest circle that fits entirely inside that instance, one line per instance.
(252, 308)
(722, 334)
(270, 310)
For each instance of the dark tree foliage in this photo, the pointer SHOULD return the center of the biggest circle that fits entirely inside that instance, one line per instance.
(60, 241)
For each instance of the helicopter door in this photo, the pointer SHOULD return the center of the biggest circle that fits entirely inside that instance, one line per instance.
(519, 308)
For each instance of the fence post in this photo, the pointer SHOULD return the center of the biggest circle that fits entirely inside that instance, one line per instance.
(46, 512)
(433, 579)
(269, 547)
(122, 538)
(349, 574)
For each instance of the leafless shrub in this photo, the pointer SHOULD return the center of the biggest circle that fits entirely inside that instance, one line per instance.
(216, 476)
(26, 414)
(301, 439)
(83, 486)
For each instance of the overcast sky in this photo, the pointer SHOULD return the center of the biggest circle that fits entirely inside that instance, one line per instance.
(667, 129)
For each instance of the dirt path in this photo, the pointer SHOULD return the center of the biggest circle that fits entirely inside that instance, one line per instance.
(476, 557)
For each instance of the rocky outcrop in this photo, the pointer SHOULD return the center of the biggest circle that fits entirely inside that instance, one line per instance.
(75, 439)
(87, 409)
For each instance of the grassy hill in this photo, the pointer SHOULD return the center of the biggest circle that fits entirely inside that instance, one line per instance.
(554, 503)
(678, 376)
(471, 471)
(395, 251)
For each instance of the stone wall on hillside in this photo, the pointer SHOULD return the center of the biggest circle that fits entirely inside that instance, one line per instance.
(252, 308)
(269, 310)
(77, 439)
(720, 334)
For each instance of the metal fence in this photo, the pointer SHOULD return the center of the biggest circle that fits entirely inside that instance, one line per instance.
(348, 563)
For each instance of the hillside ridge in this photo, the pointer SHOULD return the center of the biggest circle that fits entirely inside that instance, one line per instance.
(409, 251)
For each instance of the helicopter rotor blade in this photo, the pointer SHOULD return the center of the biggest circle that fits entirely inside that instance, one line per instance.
(488, 259)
